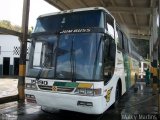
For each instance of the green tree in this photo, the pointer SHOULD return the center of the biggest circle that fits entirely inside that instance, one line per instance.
(7, 24)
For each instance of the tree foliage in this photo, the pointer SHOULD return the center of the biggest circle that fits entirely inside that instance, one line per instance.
(7, 24)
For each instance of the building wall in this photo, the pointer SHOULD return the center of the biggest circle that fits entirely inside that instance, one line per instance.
(9, 47)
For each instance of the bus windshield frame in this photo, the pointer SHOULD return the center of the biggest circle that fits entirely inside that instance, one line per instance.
(76, 56)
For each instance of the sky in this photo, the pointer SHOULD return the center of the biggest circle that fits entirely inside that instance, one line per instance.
(12, 10)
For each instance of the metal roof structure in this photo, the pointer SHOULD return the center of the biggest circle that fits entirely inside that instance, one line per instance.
(135, 16)
(10, 32)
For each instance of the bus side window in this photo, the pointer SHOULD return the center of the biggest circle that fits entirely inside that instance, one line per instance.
(109, 59)
(110, 24)
(120, 39)
(125, 41)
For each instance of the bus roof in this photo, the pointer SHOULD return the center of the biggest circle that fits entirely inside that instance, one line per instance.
(76, 10)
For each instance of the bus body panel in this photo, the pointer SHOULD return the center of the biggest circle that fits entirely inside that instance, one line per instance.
(69, 102)
(119, 70)
(109, 90)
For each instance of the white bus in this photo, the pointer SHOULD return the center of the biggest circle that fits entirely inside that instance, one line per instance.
(80, 60)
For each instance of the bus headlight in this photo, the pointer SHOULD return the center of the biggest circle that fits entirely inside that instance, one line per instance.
(88, 92)
(31, 86)
(82, 91)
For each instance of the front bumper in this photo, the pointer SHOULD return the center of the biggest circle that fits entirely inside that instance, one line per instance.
(83, 104)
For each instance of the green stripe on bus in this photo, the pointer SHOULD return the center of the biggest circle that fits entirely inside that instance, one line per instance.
(62, 84)
(127, 70)
(66, 84)
(72, 84)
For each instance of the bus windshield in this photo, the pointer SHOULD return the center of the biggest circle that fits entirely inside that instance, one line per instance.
(75, 56)
(79, 56)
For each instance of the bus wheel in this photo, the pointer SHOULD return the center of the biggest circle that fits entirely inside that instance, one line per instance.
(117, 95)
(50, 110)
(136, 78)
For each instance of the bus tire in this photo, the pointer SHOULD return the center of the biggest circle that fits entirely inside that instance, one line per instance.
(117, 94)
(136, 77)
(50, 110)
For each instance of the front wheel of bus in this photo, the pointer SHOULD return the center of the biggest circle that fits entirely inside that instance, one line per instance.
(50, 110)
(117, 95)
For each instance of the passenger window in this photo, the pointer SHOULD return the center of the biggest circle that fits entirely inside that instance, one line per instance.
(120, 39)
(109, 59)
(125, 44)
(110, 24)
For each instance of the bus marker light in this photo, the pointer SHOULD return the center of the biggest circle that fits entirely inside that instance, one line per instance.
(97, 91)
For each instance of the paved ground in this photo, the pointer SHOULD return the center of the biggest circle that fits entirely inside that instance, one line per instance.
(140, 105)
(8, 87)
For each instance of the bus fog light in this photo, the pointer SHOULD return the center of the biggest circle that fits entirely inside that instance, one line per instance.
(84, 103)
(89, 104)
(28, 96)
(31, 98)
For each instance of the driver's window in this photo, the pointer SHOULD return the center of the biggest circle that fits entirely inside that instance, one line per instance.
(109, 58)
(37, 54)
(47, 55)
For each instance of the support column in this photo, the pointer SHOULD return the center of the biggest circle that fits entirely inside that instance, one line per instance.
(159, 58)
(151, 45)
(154, 54)
(22, 62)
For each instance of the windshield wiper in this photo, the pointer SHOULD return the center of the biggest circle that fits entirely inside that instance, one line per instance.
(72, 60)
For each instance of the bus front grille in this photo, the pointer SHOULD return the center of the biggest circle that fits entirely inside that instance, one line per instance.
(43, 87)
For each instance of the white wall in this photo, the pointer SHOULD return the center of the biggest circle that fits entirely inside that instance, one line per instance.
(7, 43)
